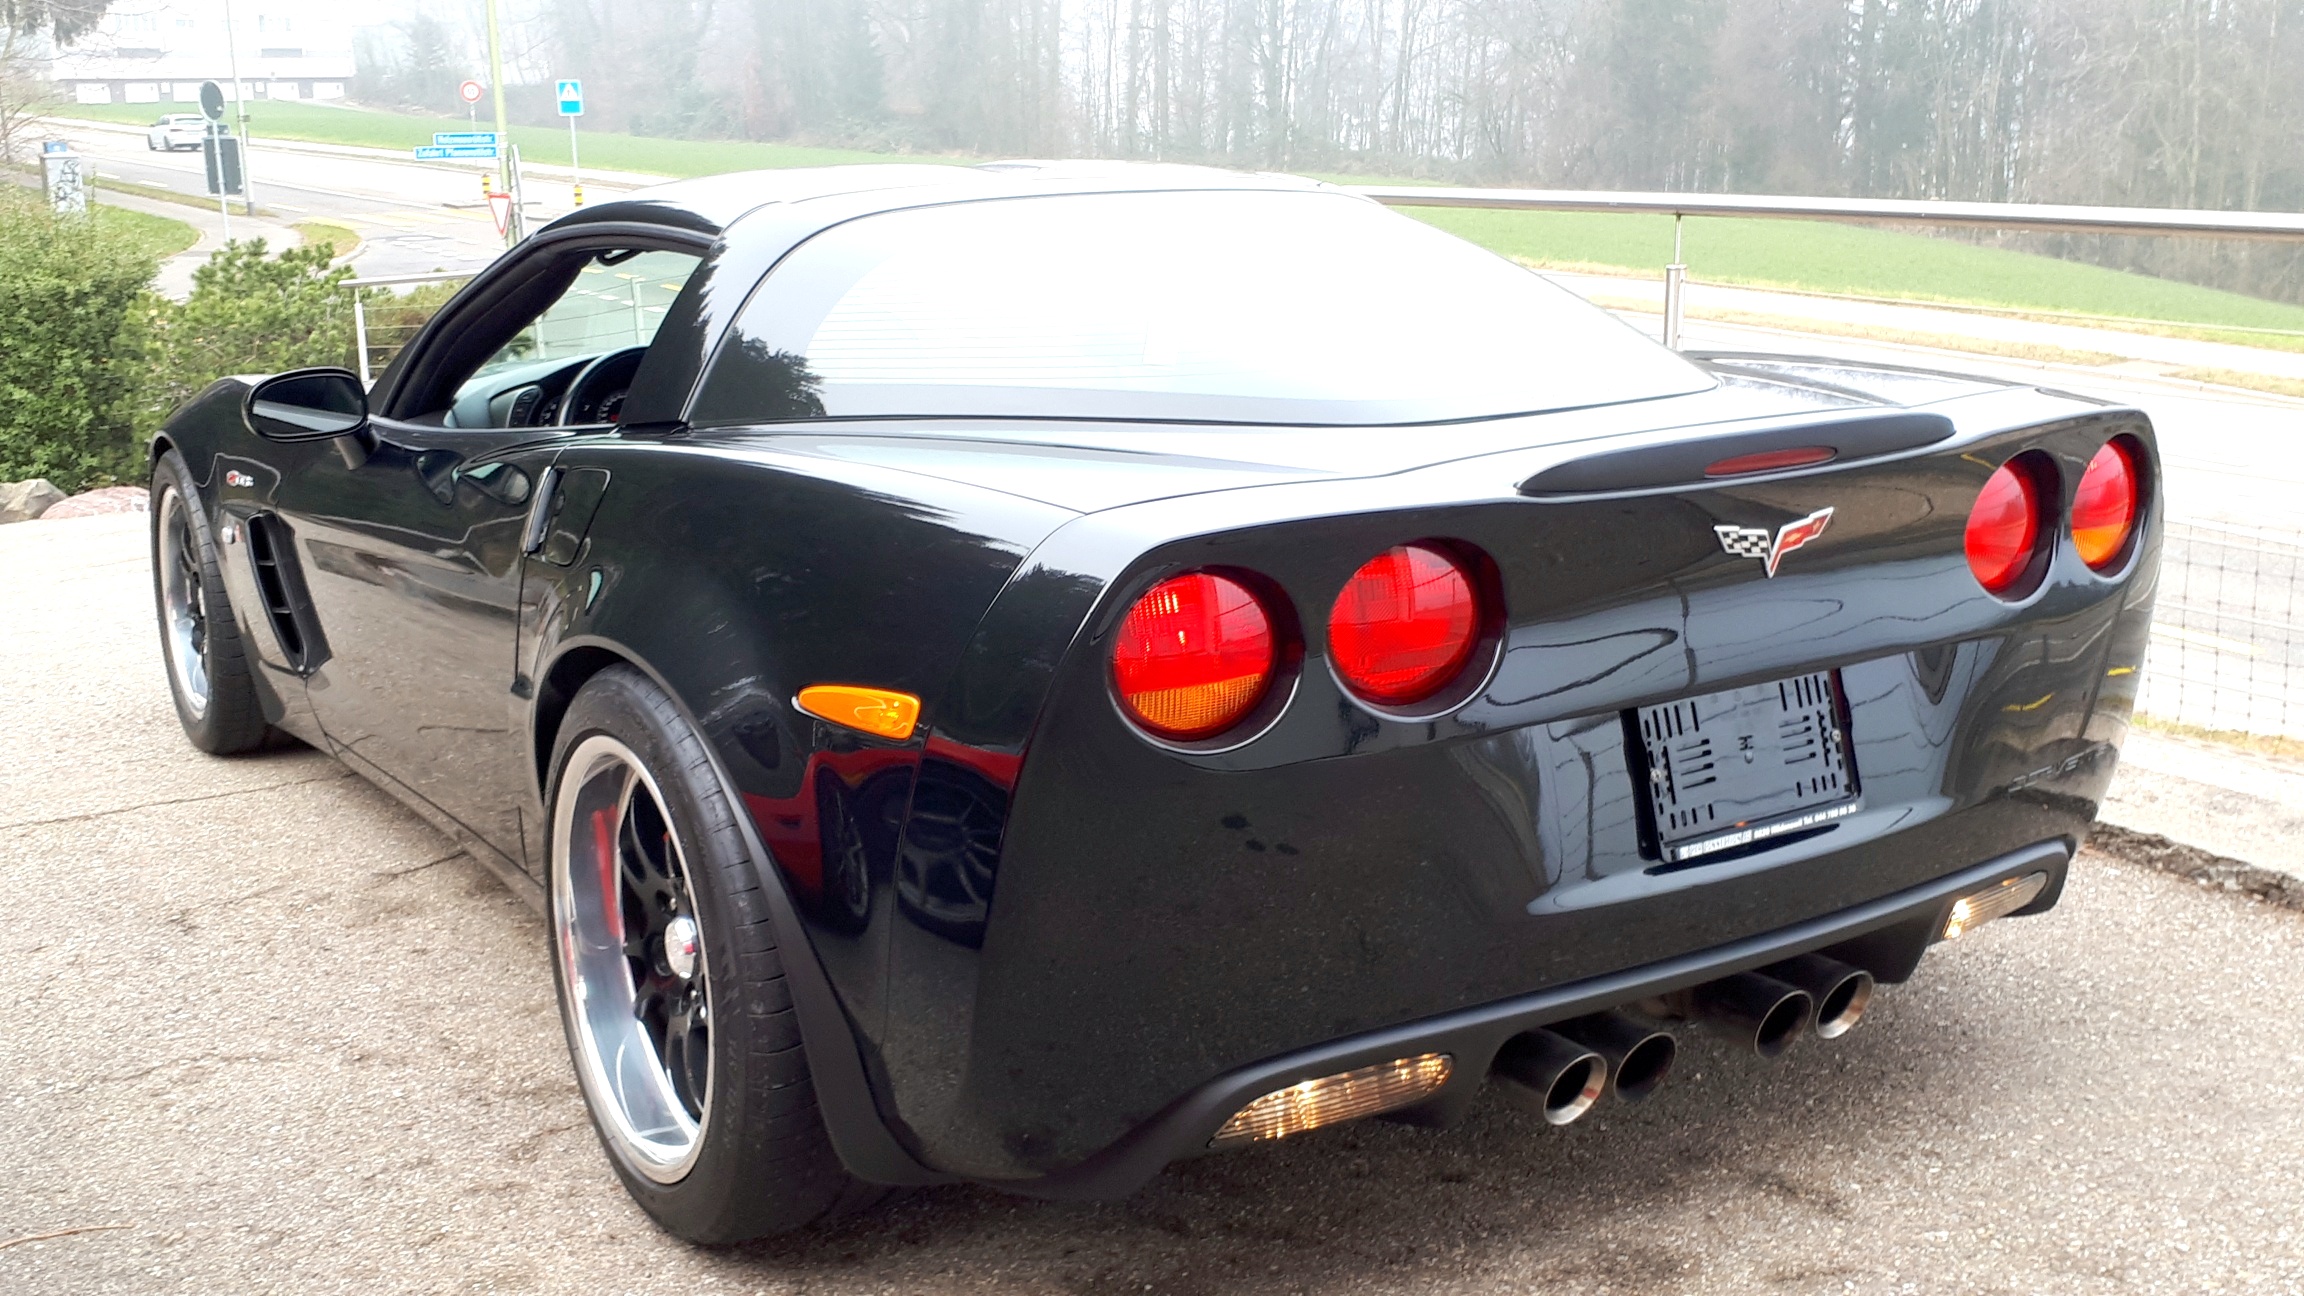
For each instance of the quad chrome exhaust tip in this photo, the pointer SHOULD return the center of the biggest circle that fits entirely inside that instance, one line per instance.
(1765, 1012)
(1639, 1056)
(1841, 992)
(1551, 1075)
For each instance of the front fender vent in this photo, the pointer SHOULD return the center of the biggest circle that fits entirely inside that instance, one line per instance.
(281, 584)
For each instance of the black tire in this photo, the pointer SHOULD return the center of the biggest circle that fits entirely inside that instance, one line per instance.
(201, 628)
(759, 1161)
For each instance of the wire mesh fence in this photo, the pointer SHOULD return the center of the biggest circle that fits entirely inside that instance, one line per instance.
(2228, 631)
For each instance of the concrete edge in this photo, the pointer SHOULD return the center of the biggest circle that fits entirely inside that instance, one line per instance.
(2219, 872)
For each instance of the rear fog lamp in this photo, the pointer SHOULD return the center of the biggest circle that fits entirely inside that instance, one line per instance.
(2002, 898)
(1331, 1100)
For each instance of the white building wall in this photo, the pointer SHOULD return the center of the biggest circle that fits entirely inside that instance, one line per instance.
(159, 51)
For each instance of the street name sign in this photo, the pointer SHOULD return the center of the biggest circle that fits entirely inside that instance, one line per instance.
(570, 93)
(466, 139)
(450, 152)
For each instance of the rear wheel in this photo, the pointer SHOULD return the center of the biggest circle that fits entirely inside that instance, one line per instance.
(678, 1016)
(208, 671)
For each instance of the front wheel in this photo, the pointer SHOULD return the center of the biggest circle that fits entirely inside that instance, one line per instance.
(208, 672)
(671, 989)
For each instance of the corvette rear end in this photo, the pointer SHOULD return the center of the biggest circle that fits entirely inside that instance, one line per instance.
(1353, 809)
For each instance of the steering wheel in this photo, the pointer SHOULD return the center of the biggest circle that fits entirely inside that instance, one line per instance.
(612, 373)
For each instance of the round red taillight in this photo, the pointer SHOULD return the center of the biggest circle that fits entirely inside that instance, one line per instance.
(2004, 527)
(2104, 509)
(1194, 657)
(1404, 625)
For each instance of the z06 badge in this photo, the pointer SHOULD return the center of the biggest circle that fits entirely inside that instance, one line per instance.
(1755, 542)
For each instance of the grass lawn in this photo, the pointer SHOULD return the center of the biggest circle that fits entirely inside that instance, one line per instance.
(159, 235)
(1814, 256)
(1819, 256)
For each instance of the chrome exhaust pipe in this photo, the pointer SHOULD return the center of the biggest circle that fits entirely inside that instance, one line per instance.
(1550, 1076)
(1842, 993)
(1769, 1013)
(1638, 1056)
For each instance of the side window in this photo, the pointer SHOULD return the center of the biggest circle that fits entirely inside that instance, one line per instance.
(572, 362)
(617, 300)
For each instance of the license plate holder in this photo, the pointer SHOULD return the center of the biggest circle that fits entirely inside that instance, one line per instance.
(1731, 769)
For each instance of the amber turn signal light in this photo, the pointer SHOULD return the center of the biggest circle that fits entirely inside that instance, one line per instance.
(883, 713)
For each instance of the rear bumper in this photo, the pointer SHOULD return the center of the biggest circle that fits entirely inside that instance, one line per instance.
(1886, 936)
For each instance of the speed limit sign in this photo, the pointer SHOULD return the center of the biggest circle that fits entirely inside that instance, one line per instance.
(470, 91)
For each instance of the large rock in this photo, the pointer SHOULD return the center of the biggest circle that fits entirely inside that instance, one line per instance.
(95, 503)
(25, 500)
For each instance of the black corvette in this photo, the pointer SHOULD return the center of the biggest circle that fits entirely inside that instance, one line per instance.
(1023, 674)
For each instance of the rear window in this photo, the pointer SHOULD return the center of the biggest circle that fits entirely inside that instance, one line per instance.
(1229, 306)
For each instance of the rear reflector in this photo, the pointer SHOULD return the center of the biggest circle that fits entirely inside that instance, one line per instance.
(2004, 526)
(2104, 510)
(2002, 898)
(1194, 656)
(1331, 1100)
(1771, 461)
(1404, 625)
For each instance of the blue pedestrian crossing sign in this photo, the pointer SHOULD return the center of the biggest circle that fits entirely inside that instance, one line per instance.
(571, 96)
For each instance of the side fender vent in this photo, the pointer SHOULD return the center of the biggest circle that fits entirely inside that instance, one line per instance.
(281, 583)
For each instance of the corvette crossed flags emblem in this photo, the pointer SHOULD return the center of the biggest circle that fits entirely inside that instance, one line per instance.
(1756, 542)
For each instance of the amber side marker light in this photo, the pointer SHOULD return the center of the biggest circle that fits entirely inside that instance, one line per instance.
(2002, 898)
(1331, 1100)
(883, 713)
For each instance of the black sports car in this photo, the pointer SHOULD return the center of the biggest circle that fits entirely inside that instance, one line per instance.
(1023, 674)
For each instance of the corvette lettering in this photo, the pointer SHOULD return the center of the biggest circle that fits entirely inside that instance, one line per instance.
(1756, 542)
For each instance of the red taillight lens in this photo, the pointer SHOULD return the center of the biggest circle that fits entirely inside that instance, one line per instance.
(2004, 527)
(1404, 625)
(1195, 656)
(2104, 510)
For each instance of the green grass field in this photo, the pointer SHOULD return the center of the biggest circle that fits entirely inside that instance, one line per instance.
(1819, 256)
(159, 235)
(1813, 256)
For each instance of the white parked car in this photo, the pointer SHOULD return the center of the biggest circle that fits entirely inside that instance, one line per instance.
(176, 131)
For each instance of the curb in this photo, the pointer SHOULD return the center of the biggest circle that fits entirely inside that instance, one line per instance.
(2218, 872)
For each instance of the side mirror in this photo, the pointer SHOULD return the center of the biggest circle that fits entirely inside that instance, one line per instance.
(308, 405)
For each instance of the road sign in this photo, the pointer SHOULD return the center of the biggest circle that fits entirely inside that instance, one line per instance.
(212, 100)
(451, 152)
(467, 139)
(500, 209)
(220, 154)
(570, 93)
(470, 91)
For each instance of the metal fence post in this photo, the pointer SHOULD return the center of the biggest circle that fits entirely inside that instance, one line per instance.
(360, 335)
(1675, 284)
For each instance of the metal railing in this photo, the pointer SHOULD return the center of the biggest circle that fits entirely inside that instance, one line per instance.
(2052, 218)
(396, 335)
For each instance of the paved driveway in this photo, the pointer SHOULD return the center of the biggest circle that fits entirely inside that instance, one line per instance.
(266, 1032)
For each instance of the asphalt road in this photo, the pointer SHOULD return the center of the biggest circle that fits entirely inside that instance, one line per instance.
(268, 1033)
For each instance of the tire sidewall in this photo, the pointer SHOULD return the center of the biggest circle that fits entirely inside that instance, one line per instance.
(232, 720)
(721, 1197)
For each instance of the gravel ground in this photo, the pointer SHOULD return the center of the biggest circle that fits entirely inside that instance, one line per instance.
(268, 1033)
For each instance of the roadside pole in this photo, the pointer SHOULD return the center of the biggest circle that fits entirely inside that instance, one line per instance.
(240, 98)
(515, 229)
(570, 92)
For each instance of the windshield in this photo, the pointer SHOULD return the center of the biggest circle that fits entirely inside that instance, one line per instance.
(1249, 306)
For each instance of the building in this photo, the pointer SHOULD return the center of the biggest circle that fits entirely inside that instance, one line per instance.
(159, 51)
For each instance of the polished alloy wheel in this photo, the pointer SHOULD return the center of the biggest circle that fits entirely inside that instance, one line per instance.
(184, 603)
(632, 957)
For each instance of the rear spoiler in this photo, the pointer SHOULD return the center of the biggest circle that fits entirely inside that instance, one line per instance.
(1805, 444)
